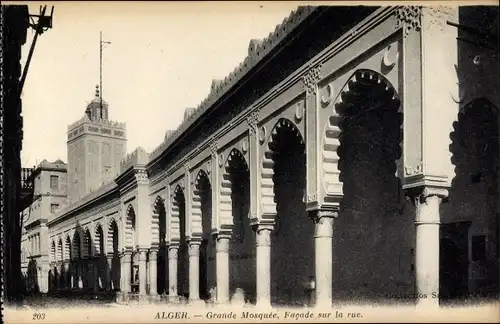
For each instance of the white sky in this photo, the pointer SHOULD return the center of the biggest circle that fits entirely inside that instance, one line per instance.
(162, 60)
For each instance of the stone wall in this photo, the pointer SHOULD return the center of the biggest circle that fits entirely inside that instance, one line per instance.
(14, 27)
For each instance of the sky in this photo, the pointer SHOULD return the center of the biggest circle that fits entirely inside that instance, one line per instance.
(161, 60)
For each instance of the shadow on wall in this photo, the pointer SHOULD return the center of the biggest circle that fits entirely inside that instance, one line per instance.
(374, 233)
(472, 222)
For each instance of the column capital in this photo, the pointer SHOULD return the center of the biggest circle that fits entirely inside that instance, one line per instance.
(320, 214)
(263, 237)
(173, 246)
(173, 251)
(143, 254)
(420, 194)
(153, 254)
(323, 220)
(222, 244)
(194, 248)
(127, 256)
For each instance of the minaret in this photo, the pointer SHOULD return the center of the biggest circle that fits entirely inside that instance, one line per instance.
(95, 148)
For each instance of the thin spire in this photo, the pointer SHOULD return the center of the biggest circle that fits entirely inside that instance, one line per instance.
(101, 47)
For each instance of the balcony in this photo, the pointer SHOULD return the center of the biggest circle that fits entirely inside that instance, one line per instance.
(26, 192)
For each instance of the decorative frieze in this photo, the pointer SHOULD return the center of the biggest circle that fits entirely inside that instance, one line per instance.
(408, 18)
(213, 149)
(411, 171)
(311, 78)
(252, 121)
(141, 176)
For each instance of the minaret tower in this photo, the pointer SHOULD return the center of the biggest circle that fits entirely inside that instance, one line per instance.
(96, 146)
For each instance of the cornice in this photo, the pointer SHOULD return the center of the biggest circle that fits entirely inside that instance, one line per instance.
(89, 200)
(257, 51)
(345, 40)
(89, 213)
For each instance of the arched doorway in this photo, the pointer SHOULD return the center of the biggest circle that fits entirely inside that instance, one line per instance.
(100, 262)
(114, 268)
(88, 269)
(179, 209)
(68, 257)
(202, 204)
(370, 235)
(292, 241)
(77, 261)
(162, 260)
(130, 243)
(242, 242)
(473, 198)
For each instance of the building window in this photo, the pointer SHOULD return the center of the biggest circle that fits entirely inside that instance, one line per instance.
(478, 247)
(53, 208)
(54, 182)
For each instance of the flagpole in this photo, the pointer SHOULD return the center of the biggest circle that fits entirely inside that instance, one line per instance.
(100, 72)
(101, 47)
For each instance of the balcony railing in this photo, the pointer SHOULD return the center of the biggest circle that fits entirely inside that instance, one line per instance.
(25, 173)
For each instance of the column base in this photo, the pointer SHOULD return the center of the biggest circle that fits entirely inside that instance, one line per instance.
(196, 303)
(323, 305)
(173, 299)
(427, 303)
(266, 304)
(222, 303)
(154, 298)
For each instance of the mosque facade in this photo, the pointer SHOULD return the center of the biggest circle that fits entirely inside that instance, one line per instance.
(352, 156)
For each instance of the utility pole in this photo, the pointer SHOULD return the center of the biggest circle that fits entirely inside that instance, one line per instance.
(101, 47)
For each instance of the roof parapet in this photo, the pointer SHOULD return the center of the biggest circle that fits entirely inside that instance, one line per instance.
(139, 157)
(257, 50)
(97, 121)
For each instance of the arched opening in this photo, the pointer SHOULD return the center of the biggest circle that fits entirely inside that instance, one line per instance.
(76, 260)
(33, 286)
(60, 256)
(162, 261)
(179, 208)
(242, 246)
(371, 236)
(87, 275)
(203, 200)
(100, 263)
(115, 270)
(294, 231)
(130, 243)
(473, 198)
(68, 255)
(53, 251)
(53, 275)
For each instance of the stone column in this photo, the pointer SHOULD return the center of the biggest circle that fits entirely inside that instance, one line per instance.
(67, 283)
(222, 268)
(44, 282)
(57, 277)
(153, 275)
(194, 272)
(427, 222)
(125, 261)
(142, 271)
(173, 251)
(263, 262)
(95, 272)
(323, 256)
(109, 272)
(166, 280)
